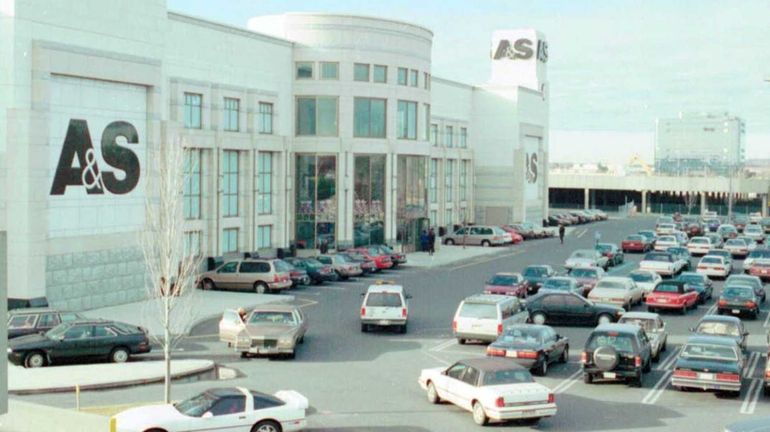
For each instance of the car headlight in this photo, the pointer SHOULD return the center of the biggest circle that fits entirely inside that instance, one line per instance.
(10, 350)
(285, 341)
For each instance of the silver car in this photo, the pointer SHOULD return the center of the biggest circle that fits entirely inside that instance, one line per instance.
(270, 329)
(587, 258)
(477, 236)
(653, 326)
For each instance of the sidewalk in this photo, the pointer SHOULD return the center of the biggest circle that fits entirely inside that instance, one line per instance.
(201, 306)
(29, 417)
(98, 376)
(446, 255)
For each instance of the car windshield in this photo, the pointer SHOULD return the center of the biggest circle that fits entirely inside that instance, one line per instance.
(718, 328)
(21, 321)
(386, 249)
(642, 277)
(711, 260)
(666, 239)
(743, 280)
(584, 273)
(610, 284)
(604, 247)
(740, 292)
(523, 335)
(508, 376)
(504, 280)
(752, 228)
(708, 351)
(479, 311)
(667, 288)
(621, 342)
(735, 242)
(658, 257)
(635, 238)
(312, 263)
(196, 406)
(555, 283)
(58, 331)
(383, 299)
(535, 271)
(647, 324)
(699, 241)
(282, 266)
(760, 253)
(583, 254)
(266, 317)
(691, 279)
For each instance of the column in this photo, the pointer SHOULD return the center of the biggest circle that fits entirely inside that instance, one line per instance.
(702, 202)
(644, 202)
(586, 198)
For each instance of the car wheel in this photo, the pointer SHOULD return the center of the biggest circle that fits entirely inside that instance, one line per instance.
(636, 381)
(542, 369)
(364, 328)
(588, 378)
(766, 391)
(266, 426)
(479, 416)
(683, 311)
(260, 288)
(208, 285)
(449, 242)
(604, 319)
(291, 355)
(564, 355)
(119, 355)
(650, 309)
(34, 360)
(402, 329)
(461, 341)
(647, 367)
(656, 357)
(433, 394)
(663, 348)
(754, 314)
(538, 318)
(484, 243)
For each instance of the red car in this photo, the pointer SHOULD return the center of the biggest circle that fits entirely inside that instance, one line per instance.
(515, 236)
(511, 284)
(672, 294)
(761, 269)
(635, 243)
(380, 260)
(587, 277)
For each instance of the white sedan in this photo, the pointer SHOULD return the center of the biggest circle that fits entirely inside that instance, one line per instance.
(618, 291)
(713, 266)
(491, 388)
(662, 263)
(646, 280)
(700, 245)
(221, 409)
(666, 241)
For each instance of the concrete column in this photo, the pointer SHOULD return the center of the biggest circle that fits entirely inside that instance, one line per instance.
(586, 198)
(644, 201)
(702, 202)
(764, 205)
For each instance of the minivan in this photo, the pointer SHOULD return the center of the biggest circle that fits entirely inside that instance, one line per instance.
(477, 235)
(484, 317)
(258, 275)
(385, 305)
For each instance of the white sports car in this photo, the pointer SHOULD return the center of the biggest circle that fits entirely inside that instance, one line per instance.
(491, 388)
(220, 409)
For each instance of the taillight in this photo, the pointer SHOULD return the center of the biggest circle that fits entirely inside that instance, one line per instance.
(684, 373)
(767, 374)
(722, 302)
(526, 354)
(496, 352)
(750, 304)
(551, 398)
(499, 329)
(276, 278)
(728, 377)
(454, 325)
(637, 361)
(403, 312)
(363, 311)
(584, 357)
(500, 402)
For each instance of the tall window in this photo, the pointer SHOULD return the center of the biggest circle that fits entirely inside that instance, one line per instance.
(316, 116)
(229, 240)
(413, 74)
(232, 110)
(402, 76)
(433, 181)
(192, 243)
(433, 218)
(448, 183)
(304, 70)
(448, 218)
(361, 72)
(426, 128)
(316, 200)
(380, 74)
(229, 183)
(407, 120)
(265, 118)
(192, 110)
(369, 117)
(449, 136)
(192, 184)
(426, 80)
(264, 236)
(330, 70)
(434, 134)
(463, 180)
(265, 183)
(463, 137)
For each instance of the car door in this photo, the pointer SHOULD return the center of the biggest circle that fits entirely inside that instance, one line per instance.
(104, 339)
(519, 314)
(550, 345)
(553, 306)
(75, 342)
(473, 237)
(227, 414)
(464, 388)
(47, 321)
(227, 276)
(302, 323)
(230, 326)
(576, 310)
(447, 386)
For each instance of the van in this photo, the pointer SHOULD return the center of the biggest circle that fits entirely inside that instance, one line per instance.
(260, 275)
(384, 305)
(477, 236)
(486, 316)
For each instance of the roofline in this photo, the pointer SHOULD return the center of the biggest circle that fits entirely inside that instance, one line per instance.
(220, 26)
(452, 82)
(369, 17)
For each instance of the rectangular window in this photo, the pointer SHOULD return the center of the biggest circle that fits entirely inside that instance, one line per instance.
(402, 76)
(426, 80)
(448, 218)
(434, 134)
(264, 236)
(265, 118)
(265, 183)
(232, 110)
(426, 128)
(380, 74)
(229, 240)
(192, 110)
(463, 180)
(229, 183)
(407, 120)
(330, 71)
(433, 218)
(369, 117)
(192, 184)
(361, 72)
(316, 116)
(192, 243)
(448, 180)
(463, 137)
(449, 136)
(304, 70)
(433, 181)
(413, 75)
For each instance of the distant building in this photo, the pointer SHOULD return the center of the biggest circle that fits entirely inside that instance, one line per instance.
(700, 144)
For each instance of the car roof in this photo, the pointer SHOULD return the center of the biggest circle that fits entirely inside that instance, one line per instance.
(640, 315)
(379, 288)
(490, 364)
(226, 391)
(721, 318)
(487, 298)
(714, 340)
(615, 327)
(274, 307)
(530, 326)
(32, 310)
(507, 274)
(91, 321)
(615, 279)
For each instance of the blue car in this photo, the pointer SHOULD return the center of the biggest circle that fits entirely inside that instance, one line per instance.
(701, 283)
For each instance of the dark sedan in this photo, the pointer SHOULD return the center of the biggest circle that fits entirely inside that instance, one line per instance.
(535, 275)
(613, 254)
(738, 299)
(318, 272)
(700, 282)
(682, 254)
(569, 308)
(298, 276)
(723, 326)
(709, 363)
(512, 284)
(532, 346)
(81, 339)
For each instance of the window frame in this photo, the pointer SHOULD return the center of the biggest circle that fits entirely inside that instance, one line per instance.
(374, 74)
(192, 208)
(262, 115)
(317, 116)
(261, 230)
(297, 66)
(228, 116)
(262, 174)
(405, 127)
(227, 174)
(189, 239)
(448, 136)
(405, 77)
(449, 181)
(321, 72)
(414, 78)
(463, 137)
(360, 66)
(226, 233)
(190, 107)
(369, 101)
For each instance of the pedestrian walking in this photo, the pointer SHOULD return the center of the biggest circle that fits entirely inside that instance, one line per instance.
(561, 233)
(431, 242)
(424, 241)
(324, 246)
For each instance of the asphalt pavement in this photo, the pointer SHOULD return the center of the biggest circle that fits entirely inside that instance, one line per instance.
(368, 381)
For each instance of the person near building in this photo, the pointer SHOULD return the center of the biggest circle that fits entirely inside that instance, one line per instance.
(424, 241)
(431, 241)
(561, 233)
(324, 246)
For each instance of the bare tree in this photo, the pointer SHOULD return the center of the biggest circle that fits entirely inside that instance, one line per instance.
(171, 269)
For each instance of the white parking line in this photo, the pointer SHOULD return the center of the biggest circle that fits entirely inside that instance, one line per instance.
(568, 382)
(750, 401)
(438, 359)
(711, 310)
(668, 363)
(581, 233)
(443, 345)
(752, 363)
(767, 321)
(657, 390)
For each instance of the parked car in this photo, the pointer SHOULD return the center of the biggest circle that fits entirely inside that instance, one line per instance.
(699, 245)
(79, 339)
(344, 268)
(752, 281)
(709, 363)
(662, 263)
(618, 291)
(529, 231)
(646, 280)
(367, 266)
(740, 222)
(755, 217)
(724, 326)
(397, 258)
(617, 352)
(250, 274)
(716, 240)
(649, 235)
(693, 229)
(665, 228)
(385, 305)
(587, 277)
(751, 244)
(516, 238)
(682, 255)
(635, 243)
(755, 232)
(562, 284)
(36, 320)
(760, 269)
(298, 276)
(737, 300)
(269, 329)
(491, 388)
(724, 254)
(714, 266)
(757, 255)
(317, 271)
(586, 258)
(568, 308)
(653, 327)
(672, 294)
(727, 231)
(476, 236)
(614, 255)
(236, 407)
(531, 346)
(701, 283)
(507, 284)
(737, 247)
(666, 241)
(712, 224)
(484, 317)
(535, 275)
(381, 260)
(765, 224)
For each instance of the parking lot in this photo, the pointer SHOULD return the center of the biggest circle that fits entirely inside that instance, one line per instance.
(368, 381)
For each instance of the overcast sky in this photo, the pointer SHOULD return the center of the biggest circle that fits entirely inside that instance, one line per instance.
(613, 67)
